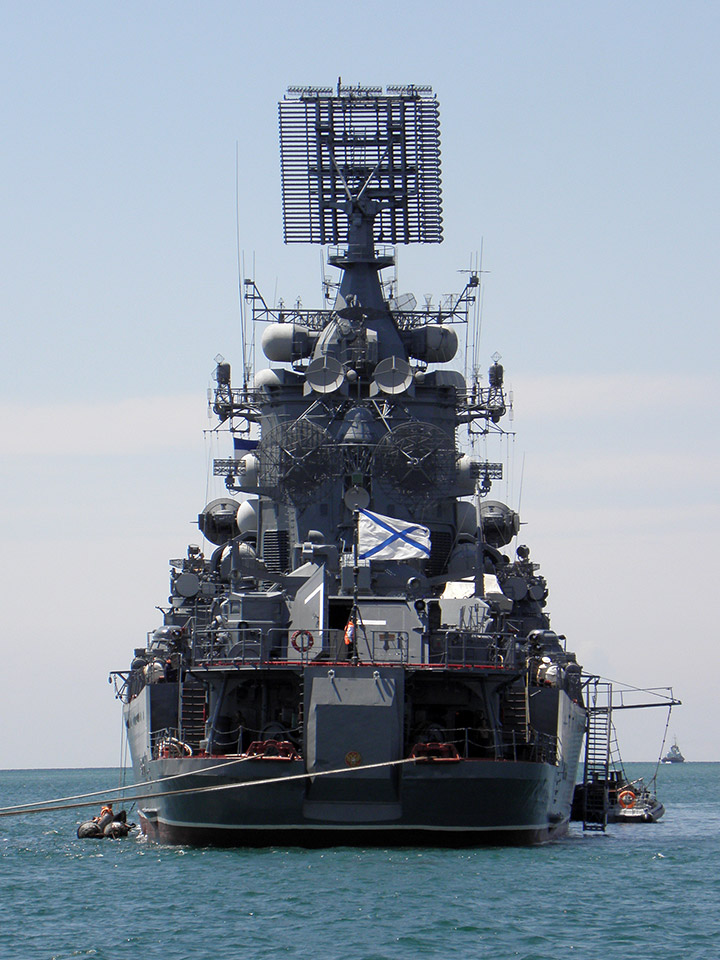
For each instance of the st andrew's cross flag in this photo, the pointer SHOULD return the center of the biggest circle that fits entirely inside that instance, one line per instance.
(385, 538)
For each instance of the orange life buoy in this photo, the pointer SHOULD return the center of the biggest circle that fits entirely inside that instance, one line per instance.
(302, 640)
(173, 748)
(626, 799)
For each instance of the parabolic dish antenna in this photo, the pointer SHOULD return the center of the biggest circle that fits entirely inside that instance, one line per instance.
(405, 302)
(357, 498)
(393, 375)
(325, 374)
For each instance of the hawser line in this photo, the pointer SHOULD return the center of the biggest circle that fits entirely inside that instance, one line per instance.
(5, 812)
(26, 807)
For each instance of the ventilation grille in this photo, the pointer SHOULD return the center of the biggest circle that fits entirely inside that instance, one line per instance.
(276, 550)
(441, 542)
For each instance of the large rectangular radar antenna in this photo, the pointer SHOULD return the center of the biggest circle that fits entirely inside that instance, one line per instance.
(356, 151)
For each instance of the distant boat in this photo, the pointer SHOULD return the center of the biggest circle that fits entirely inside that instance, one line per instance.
(673, 755)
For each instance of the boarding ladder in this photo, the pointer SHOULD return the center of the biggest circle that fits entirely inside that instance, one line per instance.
(597, 755)
(516, 715)
(193, 713)
(301, 706)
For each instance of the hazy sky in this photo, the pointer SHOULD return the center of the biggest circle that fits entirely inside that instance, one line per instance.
(579, 147)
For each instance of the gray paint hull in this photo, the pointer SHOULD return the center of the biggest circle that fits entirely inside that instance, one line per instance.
(271, 801)
(465, 803)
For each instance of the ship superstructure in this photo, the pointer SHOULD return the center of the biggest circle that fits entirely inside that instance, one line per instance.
(355, 658)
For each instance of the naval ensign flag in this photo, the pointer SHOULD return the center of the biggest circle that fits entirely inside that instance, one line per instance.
(385, 538)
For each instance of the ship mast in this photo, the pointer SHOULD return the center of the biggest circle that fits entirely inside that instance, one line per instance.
(359, 420)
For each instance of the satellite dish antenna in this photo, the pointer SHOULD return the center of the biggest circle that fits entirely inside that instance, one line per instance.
(393, 375)
(357, 498)
(405, 303)
(325, 374)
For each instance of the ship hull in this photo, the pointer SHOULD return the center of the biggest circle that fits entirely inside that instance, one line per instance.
(470, 803)
(491, 809)
(315, 838)
(388, 799)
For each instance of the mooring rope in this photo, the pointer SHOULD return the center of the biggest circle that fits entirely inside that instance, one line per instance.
(15, 812)
(26, 807)
(662, 746)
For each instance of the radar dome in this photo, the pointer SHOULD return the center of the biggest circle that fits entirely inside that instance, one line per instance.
(285, 342)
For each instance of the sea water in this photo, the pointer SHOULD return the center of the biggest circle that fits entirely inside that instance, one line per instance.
(641, 890)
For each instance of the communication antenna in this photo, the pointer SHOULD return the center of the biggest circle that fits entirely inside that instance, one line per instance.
(352, 155)
(240, 269)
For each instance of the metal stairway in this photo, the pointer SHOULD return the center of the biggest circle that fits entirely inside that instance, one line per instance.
(193, 714)
(597, 756)
(515, 717)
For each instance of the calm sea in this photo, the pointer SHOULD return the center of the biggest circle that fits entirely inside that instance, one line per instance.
(645, 890)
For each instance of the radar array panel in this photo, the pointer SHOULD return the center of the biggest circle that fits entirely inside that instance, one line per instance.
(340, 148)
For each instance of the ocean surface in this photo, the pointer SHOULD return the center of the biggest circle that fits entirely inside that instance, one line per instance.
(643, 890)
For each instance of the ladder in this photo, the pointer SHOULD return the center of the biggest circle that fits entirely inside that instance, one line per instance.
(597, 756)
(515, 717)
(193, 714)
(301, 710)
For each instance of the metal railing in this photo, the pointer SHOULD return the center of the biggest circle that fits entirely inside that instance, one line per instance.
(487, 743)
(469, 649)
(472, 743)
(167, 743)
(252, 645)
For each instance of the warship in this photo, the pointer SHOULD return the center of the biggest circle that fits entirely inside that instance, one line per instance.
(360, 651)
(674, 754)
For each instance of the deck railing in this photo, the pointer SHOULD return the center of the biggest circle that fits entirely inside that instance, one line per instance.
(256, 644)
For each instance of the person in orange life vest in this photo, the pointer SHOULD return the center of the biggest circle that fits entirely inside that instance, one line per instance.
(108, 816)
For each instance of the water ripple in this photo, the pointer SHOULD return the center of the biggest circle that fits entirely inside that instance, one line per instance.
(626, 893)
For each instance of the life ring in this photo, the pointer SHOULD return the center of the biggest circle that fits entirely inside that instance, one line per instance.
(302, 640)
(627, 799)
(171, 747)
